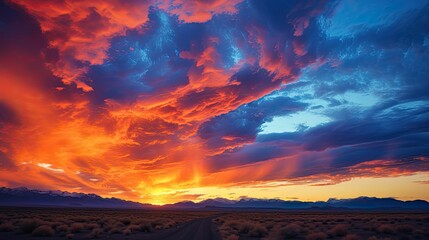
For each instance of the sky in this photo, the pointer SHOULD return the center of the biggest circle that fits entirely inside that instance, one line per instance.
(160, 101)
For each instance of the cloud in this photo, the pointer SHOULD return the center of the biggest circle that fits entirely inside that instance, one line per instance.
(196, 11)
(390, 130)
(49, 167)
(79, 32)
(243, 124)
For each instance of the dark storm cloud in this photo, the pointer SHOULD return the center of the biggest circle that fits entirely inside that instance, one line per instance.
(152, 61)
(24, 49)
(143, 63)
(242, 125)
(391, 58)
(389, 62)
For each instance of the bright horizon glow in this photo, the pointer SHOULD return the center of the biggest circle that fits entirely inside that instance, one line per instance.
(384, 187)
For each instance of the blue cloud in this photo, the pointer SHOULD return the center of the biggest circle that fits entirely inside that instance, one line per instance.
(372, 85)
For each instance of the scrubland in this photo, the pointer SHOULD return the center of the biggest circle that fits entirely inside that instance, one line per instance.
(324, 225)
(28, 223)
(55, 223)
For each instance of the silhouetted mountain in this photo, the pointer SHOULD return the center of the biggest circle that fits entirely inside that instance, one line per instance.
(372, 202)
(26, 197)
(354, 203)
(216, 202)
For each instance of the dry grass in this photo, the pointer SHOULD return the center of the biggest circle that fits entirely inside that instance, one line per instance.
(291, 230)
(91, 223)
(85, 223)
(229, 229)
(405, 228)
(316, 236)
(323, 225)
(77, 227)
(96, 233)
(28, 225)
(43, 231)
(340, 230)
(351, 237)
(62, 228)
(386, 228)
(6, 227)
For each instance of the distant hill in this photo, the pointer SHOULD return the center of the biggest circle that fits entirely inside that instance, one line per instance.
(372, 202)
(369, 203)
(26, 197)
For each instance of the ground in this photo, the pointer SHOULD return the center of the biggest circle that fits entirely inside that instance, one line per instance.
(67, 223)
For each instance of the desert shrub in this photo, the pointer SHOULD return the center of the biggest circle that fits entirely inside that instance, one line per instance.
(269, 224)
(43, 231)
(257, 230)
(376, 238)
(91, 226)
(385, 228)
(227, 231)
(62, 228)
(339, 230)
(115, 230)
(126, 221)
(146, 227)
(169, 224)
(82, 219)
(77, 227)
(134, 228)
(290, 230)
(316, 236)
(232, 237)
(351, 237)
(233, 224)
(6, 227)
(126, 231)
(96, 233)
(104, 221)
(28, 225)
(156, 223)
(405, 228)
(117, 224)
(218, 220)
(245, 227)
(54, 224)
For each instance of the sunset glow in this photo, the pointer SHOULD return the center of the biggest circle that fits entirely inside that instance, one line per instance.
(161, 101)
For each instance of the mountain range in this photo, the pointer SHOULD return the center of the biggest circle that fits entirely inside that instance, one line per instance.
(27, 197)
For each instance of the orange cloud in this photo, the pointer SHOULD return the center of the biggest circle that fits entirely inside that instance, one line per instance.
(199, 11)
(80, 31)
